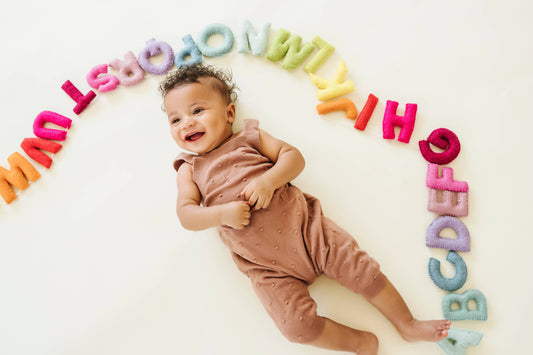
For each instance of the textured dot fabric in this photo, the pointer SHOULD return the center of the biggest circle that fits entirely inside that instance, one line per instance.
(287, 245)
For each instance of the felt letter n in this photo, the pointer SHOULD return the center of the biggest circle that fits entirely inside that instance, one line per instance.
(406, 122)
(249, 38)
(20, 169)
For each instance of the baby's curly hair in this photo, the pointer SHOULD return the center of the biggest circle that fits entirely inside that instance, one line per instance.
(186, 74)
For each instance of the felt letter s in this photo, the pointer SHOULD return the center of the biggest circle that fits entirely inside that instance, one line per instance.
(103, 83)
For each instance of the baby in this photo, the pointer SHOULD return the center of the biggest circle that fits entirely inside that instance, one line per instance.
(240, 183)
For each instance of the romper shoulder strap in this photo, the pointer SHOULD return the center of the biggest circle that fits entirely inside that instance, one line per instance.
(251, 132)
(183, 158)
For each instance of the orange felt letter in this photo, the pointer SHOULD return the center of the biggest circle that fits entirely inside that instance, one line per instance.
(338, 105)
(20, 169)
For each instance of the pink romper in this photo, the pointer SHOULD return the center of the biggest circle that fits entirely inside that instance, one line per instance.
(287, 245)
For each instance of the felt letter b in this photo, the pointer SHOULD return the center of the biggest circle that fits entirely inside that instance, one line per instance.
(464, 313)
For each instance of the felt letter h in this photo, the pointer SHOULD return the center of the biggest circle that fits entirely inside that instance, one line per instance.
(391, 120)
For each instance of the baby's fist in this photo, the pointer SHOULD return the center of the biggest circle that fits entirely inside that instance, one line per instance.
(236, 214)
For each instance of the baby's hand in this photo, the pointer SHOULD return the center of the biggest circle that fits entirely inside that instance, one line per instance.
(258, 193)
(236, 214)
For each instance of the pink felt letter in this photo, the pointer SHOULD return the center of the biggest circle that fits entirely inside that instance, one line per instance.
(446, 182)
(444, 139)
(48, 133)
(82, 101)
(103, 83)
(129, 71)
(406, 122)
(448, 206)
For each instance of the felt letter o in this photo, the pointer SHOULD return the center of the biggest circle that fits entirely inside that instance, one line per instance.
(154, 48)
(190, 50)
(434, 240)
(103, 83)
(451, 284)
(213, 29)
(444, 139)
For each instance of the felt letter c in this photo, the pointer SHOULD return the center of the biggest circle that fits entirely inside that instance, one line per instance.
(154, 48)
(451, 284)
(444, 139)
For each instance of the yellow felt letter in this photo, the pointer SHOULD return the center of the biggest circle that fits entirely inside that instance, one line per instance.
(334, 87)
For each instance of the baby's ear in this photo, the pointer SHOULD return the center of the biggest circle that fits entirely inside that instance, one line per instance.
(230, 112)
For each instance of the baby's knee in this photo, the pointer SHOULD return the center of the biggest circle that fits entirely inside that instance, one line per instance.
(302, 329)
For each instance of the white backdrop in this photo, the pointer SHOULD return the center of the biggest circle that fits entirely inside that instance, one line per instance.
(92, 257)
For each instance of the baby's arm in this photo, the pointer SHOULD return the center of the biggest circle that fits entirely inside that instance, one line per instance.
(193, 216)
(288, 164)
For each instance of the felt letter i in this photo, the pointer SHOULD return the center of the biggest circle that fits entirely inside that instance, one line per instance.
(82, 101)
(406, 122)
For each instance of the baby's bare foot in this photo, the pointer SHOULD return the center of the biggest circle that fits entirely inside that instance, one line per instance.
(433, 330)
(367, 343)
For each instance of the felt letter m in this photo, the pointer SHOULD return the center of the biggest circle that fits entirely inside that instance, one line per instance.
(406, 122)
(20, 169)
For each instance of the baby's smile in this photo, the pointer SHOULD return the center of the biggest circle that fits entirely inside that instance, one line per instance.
(193, 137)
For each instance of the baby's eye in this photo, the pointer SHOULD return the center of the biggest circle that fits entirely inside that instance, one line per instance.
(175, 120)
(197, 110)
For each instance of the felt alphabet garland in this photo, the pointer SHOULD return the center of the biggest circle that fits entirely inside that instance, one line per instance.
(447, 197)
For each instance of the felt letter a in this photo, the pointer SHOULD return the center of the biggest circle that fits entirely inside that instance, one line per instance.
(20, 169)
(459, 340)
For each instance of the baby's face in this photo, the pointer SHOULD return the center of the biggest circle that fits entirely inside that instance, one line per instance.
(200, 119)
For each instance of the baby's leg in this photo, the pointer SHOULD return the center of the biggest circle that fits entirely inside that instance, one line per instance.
(344, 261)
(389, 302)
(288, 302)
(339, 337)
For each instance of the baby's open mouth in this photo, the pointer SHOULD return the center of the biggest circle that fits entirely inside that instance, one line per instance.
(194, 136)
